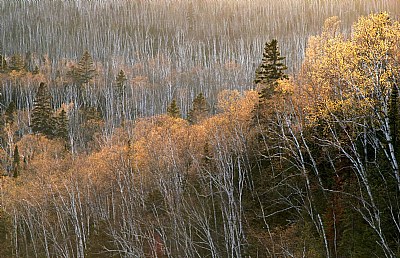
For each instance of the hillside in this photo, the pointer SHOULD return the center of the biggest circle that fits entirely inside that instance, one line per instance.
(208, 128)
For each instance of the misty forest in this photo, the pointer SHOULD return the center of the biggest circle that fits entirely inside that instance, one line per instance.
(199, 128)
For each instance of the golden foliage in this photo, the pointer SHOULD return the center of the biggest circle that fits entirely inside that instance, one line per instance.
(236, 105)
(40, 147)
(160, 143)
(350, 76)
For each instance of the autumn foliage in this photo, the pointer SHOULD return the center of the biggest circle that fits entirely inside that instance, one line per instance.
(313, 172)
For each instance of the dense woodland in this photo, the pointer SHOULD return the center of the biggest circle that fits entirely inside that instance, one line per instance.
(204, 128)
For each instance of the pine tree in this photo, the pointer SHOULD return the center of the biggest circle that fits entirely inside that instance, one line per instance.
(42, 113)
(85, 70)
(199, 110)
(270, 70)
(173, 110)
(16, 162)
(61, 126)
(120, 82)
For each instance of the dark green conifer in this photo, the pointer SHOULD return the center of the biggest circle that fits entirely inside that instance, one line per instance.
(42, 113)
(199, 110)
(61, 126)
(173, 110)
(120, 81)
(270, 70)
(16, 161)
(85, 70)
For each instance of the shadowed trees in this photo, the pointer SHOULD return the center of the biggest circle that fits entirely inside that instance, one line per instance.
(42, 121)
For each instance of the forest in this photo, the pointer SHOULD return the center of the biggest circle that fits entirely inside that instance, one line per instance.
(208, 128)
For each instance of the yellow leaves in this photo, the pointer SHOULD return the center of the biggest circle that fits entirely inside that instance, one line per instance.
(40, 147)
(236, 105)
(227, 100)
(376, 32)
(159, 143)
(42, 158)
(16, 74)
(340, 73)
(101, 168)
(286, 87)
(377, 40)
(331, 27)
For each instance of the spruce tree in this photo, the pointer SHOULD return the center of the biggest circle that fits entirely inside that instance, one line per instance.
(199, 110)
(270, 70)
(61, 126)
(42, 113)
(16, 162)
(173, 110)
(120, 83)
(85, 70)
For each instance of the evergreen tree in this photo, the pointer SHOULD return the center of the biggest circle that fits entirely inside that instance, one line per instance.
(270, 70)
(17, 63)
(199, 110)
(173, 110)
(16, 162)
(61, 126)
(120, 82)
(42, 113)
(85, 70)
